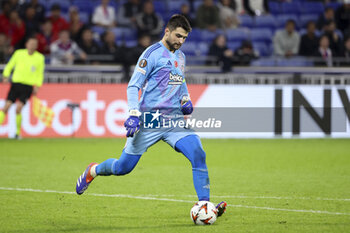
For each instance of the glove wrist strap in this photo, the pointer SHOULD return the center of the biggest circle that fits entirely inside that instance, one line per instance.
(134, 112)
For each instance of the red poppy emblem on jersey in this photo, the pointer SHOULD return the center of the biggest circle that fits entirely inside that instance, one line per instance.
(176, 64)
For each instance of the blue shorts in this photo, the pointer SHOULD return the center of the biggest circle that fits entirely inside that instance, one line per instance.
(145, 138)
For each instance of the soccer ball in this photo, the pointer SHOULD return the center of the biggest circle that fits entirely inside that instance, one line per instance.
(203, 213)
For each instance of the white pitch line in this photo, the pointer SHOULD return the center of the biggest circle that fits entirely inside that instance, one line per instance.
(168, 199)
(257, 197)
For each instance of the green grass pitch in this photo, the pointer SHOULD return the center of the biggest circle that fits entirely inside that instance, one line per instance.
(271, 186)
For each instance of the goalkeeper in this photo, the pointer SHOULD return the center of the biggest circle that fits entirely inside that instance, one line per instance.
(160, 74)
(28, 75)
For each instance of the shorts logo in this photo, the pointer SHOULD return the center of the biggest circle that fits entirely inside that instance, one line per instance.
(175, 79)
(143, 63)
(151, 120)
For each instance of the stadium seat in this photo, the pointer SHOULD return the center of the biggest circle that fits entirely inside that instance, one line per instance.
(159, 7)
(294, 62)
(130, 43)
(265, 21)
(246, 21)
(238, 34)
(262, 48)
(312, 8)
(339, 33)
(234, 45)
(196, 4)
(264, 62)
(282, 19)
(175, 5)
(291, 8)
(129, 34)
(275, 8)
(261, 35)
(98, 30)
(84, 17)
(209, 36)
(189, 48)
(203, 48)
(195, 35)
(84, 6)
(334, 5)
(304, 19)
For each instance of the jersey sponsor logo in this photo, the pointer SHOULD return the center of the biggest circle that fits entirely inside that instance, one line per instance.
(175, 79)
(143, 63)
(152, 120)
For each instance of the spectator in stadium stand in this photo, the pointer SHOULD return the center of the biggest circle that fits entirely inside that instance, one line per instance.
(104, 15)
(228, 16)
(149, 22)
(132, 54)
(342, 16)
(89, 45)
(239, 7)
(109, 47)
(286, 41)
(5, 17)
(15, 6)
(75, 25)
(45, 37)
(255, 7)
(220, 54)
(335, 40)
(17, 30)
(126, 16)
(309, 41)
(345, 55)
(58, 22)
(4, 48)
(39, 9)
(328, 15)
(323, 56)
(185, 10)
(245, 54)
(207, 16)
(31, 23)
(64, 51)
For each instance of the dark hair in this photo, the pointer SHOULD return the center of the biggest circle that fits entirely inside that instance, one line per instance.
(323, 36)
(291, 21)
(179, 21)
(31, 37)
(310, 22)
(55, 7)
(328, 8)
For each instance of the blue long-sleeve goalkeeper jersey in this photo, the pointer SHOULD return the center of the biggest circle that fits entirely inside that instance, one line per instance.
(160, 74)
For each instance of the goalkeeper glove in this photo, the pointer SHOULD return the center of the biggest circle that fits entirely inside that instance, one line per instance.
(186, 105)
(132, 124)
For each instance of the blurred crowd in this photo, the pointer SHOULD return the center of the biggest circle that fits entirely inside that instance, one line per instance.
(118, 31)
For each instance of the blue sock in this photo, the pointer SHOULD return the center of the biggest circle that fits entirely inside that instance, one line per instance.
(105, 168)
(122, 166)
(192, 148)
